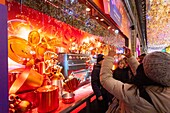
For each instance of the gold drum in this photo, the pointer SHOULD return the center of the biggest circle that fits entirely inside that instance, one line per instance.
(48, 98)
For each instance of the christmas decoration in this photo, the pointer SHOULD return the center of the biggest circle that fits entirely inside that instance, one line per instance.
(158, 24)
(72, 13)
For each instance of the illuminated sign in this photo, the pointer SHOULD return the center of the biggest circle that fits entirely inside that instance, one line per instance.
(115, 12)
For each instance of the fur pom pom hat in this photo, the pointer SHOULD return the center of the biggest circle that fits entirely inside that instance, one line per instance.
(157, 67)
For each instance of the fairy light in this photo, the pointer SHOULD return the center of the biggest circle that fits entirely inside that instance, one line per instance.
(101, 19)
(87, 9)
(158, 21)
(108, 27)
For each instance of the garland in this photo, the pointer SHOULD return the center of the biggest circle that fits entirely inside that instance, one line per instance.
(74, 14)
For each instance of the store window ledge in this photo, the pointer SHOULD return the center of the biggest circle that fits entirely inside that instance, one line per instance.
(84, 96)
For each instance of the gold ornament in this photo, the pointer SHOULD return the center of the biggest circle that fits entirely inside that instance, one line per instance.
(33, 38)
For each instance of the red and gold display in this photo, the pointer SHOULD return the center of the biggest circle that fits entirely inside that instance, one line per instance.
(35, 41)
(33, 33)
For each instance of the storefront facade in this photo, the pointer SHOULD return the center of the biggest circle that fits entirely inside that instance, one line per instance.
(32, 33)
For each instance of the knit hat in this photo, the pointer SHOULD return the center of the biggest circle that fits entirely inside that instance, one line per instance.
(100, 57)
(157, 67)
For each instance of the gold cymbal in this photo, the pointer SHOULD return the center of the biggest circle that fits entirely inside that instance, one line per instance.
(19, 50)
(33, 38)
(41, 49)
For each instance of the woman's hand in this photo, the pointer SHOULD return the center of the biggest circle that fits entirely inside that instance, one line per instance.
(128, 52)
(112, 51)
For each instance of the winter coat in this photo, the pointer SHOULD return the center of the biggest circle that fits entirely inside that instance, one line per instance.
(121, 74)
(129, 98)
(95, 82)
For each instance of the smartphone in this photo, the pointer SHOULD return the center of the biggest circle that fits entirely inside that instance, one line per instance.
(120, 50)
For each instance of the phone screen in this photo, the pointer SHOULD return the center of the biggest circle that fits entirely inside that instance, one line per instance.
(120, 50)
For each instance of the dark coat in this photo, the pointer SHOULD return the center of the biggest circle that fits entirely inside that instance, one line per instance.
(121, 74)
(95, 82)
(99, 90)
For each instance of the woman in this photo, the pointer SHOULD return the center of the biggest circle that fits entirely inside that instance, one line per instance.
(150, 91)
(122, 72)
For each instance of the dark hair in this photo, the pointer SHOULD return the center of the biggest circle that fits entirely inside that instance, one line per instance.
(141, 79)
(122, 60)
(141, 57)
